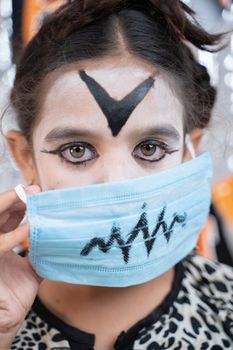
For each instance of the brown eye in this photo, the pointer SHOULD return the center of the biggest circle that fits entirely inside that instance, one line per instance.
(151, 151)
(77, 151)
(148, 149)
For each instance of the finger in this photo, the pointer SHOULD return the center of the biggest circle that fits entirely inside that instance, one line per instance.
(18, 207)
(32, 189)
(10, 240)
(4, 218)
(11, 218)
(9, 198)
(13, 221)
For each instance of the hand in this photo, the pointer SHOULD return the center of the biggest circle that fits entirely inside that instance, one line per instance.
(19, 283)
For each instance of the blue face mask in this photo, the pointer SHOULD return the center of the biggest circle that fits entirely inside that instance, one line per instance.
(123, 233)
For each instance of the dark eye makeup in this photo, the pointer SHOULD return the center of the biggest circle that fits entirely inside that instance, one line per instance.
(152, 151)
(79, 153)
(76, 153)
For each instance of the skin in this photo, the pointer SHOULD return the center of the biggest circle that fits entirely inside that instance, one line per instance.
(68, 106)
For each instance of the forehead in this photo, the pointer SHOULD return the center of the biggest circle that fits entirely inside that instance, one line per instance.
(65, 99)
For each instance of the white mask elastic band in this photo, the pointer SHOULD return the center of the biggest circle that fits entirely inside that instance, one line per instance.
(189, 145)
(19, 189)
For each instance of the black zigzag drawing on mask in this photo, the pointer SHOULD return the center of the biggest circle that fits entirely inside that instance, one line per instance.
(141, 226)
(116, 112)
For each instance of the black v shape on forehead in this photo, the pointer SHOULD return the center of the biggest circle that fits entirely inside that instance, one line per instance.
(116, 112)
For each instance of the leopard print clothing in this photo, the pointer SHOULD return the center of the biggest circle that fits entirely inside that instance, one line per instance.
(196, 315)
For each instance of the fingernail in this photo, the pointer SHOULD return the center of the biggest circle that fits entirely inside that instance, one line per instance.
(32, 189)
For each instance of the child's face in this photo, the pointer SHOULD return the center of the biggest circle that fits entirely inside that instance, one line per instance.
(74, 145)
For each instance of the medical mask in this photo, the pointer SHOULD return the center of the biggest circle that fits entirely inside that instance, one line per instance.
(123, 233)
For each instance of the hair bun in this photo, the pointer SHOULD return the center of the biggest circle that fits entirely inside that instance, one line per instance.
(181, 18)
(178, 16)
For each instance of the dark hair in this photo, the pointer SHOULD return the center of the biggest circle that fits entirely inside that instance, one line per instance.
(155, 31)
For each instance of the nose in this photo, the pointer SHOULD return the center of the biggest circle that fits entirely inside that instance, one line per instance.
(117, 170)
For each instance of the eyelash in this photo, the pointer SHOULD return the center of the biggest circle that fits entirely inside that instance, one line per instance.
(158, 144)
(86, 146)
(61, 149)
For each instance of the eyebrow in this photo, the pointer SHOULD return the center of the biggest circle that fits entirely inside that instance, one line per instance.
(59, 133)
(65, 133)
(165, 130)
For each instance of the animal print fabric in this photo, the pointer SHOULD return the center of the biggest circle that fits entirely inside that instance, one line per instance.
(198, 317)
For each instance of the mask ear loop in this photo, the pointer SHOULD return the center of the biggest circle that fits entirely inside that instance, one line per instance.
(19, 189)
(189, 145)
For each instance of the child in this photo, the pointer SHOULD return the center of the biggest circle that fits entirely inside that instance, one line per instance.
(110, 102)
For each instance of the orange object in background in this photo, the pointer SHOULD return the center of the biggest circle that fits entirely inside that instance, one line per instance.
(25, 245)
(216, 239)
(34, 11)
(208, 239)
(223, 199)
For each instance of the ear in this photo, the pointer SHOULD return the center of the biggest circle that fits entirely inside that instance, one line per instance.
(23, 155)
(196, 137)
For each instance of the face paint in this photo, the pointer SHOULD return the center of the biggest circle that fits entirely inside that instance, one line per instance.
(116, 112)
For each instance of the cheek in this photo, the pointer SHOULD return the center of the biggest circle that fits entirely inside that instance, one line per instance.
(172, 160)
(54, 174)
